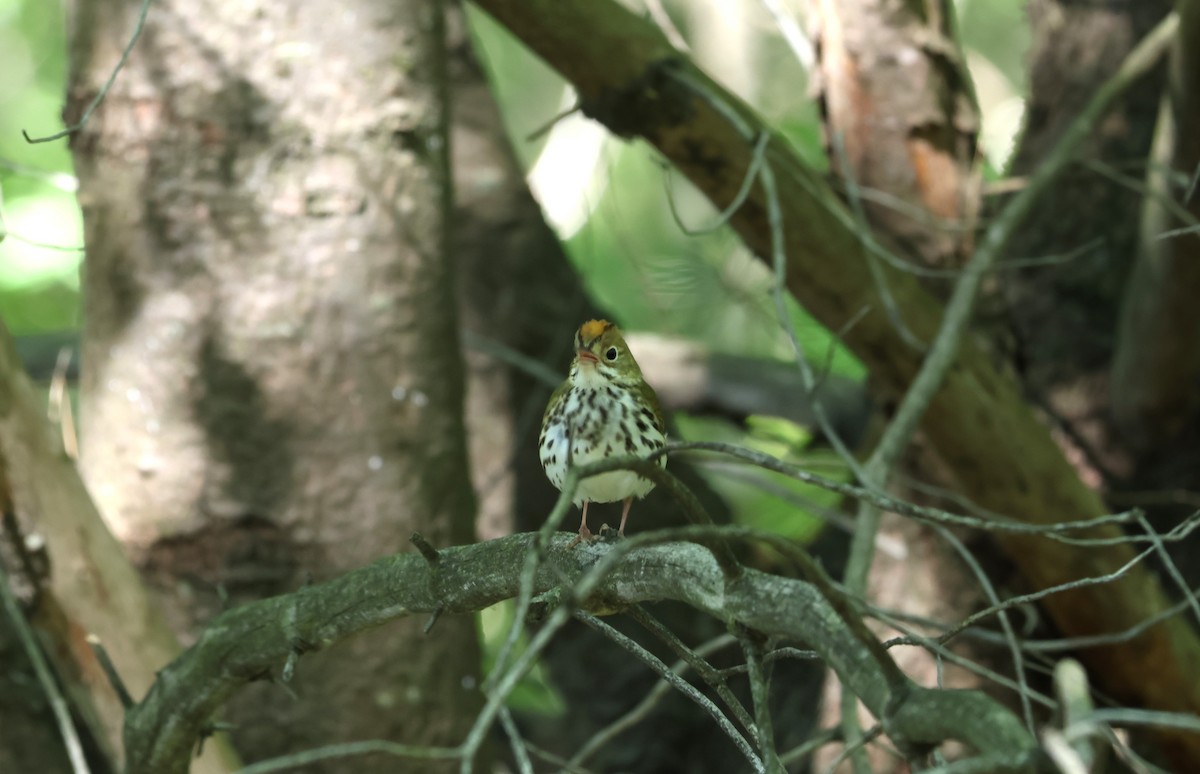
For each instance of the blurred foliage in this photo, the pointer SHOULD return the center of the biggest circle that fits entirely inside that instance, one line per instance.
(533, 693)
(39, 279)
(760, 498)
(995, 38)
(630, 226)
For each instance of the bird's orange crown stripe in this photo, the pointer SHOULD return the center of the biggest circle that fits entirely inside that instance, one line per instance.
(592, 329)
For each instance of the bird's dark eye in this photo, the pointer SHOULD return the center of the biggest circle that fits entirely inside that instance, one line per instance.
(611, 354)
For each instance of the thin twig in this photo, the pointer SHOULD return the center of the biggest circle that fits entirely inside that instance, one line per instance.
(663, 21)
(349, 750)
(797, 41)
(934, 646)
(555, 759)
(1053, 530)
(1185, 721)
(1010, 637)
(1144, 191)
(58, 407)
(1171, 568)
(63, 181)
(58, 705)
(1024, 599)
(778, 289)
(852, 747)
(678, 683)
(524, 363)
(772, 656)
(1175, 497)
(760, 694)
(425, 548)
(87, 113)
(722, 219)
(713, 677)
(545, 128)
(875, 249)
(643, 708)
(520, 754)
(814, 743)
(110, 671)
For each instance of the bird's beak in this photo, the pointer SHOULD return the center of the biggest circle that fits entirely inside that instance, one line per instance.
(586, 356)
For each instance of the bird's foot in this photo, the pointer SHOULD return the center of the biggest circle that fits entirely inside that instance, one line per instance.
(585, 536)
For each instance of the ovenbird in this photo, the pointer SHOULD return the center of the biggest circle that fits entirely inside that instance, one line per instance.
(603, 409)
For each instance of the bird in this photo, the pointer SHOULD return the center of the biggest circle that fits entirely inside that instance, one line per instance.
(604, 409)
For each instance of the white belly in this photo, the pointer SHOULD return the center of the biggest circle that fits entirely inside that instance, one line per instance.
(612, 486)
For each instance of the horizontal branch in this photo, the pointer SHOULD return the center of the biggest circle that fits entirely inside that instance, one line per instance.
(258, 640)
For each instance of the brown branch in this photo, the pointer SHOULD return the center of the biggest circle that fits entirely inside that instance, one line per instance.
(255, 641)
(990, 441)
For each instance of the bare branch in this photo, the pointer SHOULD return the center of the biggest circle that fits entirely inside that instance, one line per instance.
(58, 705)
(681, 685)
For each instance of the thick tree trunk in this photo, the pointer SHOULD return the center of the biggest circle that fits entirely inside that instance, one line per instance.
(900, 121)
(1063, 314)
(1157, 366)
(1103, 338)
(75, 581)
(272, 387)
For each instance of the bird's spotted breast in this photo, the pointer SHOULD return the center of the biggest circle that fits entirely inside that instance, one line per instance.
(594, 424)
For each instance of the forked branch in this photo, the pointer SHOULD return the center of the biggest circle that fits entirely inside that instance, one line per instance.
(256, 641)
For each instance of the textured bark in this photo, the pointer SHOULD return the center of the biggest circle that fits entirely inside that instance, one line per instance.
(272, 387)
(978, 424)
(1094, 337)
(75, 577)
(1062, 315)
(900, 120)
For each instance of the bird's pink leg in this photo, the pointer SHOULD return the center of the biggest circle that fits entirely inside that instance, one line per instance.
(585, 534)
(624, 516)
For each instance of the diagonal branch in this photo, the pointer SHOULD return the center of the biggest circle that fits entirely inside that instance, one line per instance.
(990, 441)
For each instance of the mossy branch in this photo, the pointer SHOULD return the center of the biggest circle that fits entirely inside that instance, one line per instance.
(256, 641)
